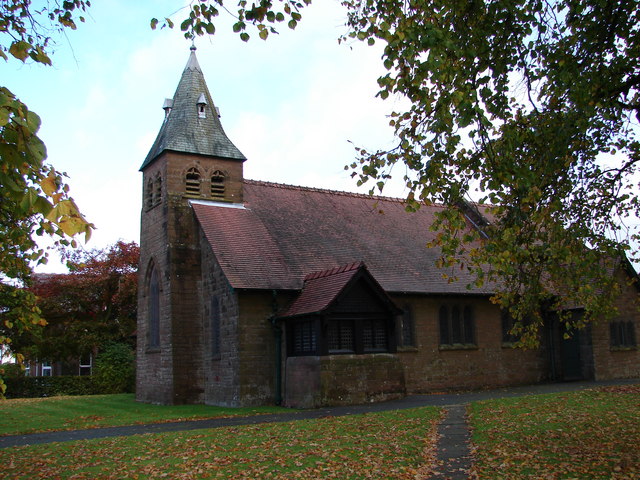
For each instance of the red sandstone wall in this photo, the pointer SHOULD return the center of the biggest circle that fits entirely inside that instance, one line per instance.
(343, 380)
(257, 349)
(612, 363)
(154, 371)
(429, 367)
(175, 373)
(221, 372)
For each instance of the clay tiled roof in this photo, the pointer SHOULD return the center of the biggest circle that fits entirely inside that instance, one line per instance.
(284, 233)
(322, 288)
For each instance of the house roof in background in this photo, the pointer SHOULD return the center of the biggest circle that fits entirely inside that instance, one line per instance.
(284, 233)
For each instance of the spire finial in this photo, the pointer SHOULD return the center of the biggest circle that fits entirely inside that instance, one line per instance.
(192, 64)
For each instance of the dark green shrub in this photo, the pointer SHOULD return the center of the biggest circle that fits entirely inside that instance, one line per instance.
(31, 387)
(114, 370)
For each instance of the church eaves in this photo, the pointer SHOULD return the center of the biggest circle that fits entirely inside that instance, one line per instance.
(191, 125)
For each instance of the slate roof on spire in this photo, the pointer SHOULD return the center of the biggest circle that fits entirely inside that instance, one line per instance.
(183, 130)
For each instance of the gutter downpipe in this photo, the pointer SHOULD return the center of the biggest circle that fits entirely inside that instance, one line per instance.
(277, 333)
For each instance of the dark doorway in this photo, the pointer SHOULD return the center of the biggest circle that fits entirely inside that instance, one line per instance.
(571, 357)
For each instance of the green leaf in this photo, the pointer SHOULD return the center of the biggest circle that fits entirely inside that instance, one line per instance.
(20, 49)
(37, 149)
(28, 200)
(40, 56)
(4, 116)
(33, 122)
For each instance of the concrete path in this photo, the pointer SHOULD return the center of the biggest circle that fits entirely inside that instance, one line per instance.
(451, 426)
(454, 446)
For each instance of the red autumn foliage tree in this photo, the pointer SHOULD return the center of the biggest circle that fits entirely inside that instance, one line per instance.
(93, 305)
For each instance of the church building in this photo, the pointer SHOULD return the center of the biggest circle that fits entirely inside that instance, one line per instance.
(256, 293)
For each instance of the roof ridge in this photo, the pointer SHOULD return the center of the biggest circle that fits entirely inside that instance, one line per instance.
(345, 193)
(324, 190)
(335, 270)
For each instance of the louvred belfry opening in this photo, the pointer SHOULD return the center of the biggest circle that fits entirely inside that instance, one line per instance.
(192, 183)
(217, 185)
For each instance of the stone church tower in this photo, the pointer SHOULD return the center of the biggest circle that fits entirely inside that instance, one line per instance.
(191, 160)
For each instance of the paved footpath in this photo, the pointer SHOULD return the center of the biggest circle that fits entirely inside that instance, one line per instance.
(454, 441)
(453, 445)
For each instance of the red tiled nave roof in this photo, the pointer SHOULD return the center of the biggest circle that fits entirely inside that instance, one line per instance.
(284, 233)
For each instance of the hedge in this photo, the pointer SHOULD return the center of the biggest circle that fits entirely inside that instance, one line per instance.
(32, 387)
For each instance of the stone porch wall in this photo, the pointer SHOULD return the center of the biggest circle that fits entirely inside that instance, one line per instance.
(343, 380)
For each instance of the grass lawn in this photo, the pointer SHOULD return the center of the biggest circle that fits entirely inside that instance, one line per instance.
(30, 415)
(391, 445)
(593, 434)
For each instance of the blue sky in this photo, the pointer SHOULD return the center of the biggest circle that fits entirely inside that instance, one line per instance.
(290, 104)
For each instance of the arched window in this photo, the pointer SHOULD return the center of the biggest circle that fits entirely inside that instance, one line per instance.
(215, 327)
(457, 325)
(217, 184)
(192, 182)
(444, 325)
(154, 309)
(408, 327)
(157, 193)
(623, 334)
(148, 194)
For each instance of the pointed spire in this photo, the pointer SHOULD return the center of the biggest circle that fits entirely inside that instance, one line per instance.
(187, 127)
(193, 64)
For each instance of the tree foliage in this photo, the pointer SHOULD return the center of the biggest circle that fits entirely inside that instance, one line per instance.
(87, 309)
(34, 198)
(528, 106)
(27, 30)
(264, 16)
(533, 106)
(115, 369)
